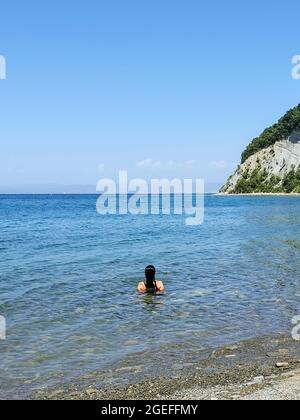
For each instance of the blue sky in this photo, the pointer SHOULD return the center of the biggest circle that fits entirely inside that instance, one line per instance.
(161, 88)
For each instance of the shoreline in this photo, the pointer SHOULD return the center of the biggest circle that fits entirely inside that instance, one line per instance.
(258, 195)
(230, 372)
(283, 386)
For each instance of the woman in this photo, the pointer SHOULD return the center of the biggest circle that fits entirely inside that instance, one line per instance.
(150, 284)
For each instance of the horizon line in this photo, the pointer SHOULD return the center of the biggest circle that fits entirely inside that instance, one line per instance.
(69, 189)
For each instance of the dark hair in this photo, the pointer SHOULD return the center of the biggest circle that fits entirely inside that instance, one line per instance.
(150, 274)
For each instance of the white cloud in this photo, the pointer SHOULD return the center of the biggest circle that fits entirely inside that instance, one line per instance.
(148, 163)
(171, 164)
(218, 165)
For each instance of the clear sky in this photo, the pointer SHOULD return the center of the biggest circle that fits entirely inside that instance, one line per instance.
(161, 88)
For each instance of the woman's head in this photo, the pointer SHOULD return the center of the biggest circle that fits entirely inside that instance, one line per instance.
(150, 275)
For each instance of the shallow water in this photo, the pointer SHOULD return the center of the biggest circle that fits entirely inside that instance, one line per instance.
(68, 278)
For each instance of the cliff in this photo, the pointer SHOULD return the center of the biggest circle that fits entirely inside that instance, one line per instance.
(270, 164)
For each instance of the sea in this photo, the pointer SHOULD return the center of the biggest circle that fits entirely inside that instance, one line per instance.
(68, 278)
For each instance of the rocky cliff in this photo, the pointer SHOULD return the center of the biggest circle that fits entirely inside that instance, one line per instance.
(274, 168)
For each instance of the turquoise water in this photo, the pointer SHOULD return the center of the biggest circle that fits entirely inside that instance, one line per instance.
(68, 278)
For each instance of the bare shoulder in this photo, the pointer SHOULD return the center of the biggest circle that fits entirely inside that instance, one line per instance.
(141, 287)
(160, 285)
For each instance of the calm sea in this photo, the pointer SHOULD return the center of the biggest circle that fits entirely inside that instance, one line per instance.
(68, 278)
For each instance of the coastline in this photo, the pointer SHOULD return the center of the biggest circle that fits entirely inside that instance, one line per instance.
(259, 195)
(240, 371)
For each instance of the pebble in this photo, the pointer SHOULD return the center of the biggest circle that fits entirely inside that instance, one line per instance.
(75, 395)
(232, 348)
(131, 343)
(91, 391)
(259, 380)
(283, 365)
(56, 393)
(283, 351)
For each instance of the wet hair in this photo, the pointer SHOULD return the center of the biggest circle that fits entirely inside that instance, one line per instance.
(150, 275)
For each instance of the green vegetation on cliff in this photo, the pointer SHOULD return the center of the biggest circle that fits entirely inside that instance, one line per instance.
(260, 182)
(279, 131)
